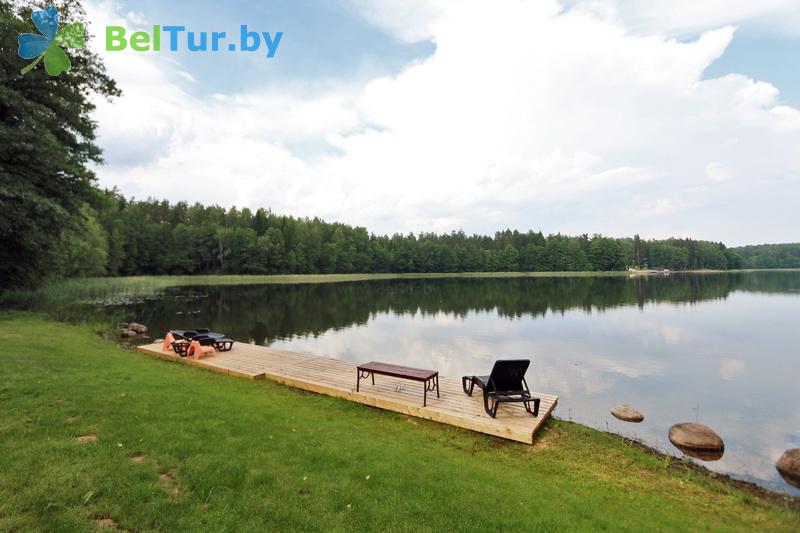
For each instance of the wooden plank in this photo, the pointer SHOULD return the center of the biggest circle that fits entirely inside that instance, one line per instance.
(170, 356)
(335, 377)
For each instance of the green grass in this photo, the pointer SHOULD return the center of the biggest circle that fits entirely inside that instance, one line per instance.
(258, 456)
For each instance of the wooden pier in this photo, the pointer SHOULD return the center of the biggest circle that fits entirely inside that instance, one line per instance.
(335, 377)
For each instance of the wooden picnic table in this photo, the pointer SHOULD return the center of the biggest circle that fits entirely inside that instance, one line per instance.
(429, 378)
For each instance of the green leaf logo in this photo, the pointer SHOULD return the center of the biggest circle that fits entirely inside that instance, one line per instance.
(49, 45)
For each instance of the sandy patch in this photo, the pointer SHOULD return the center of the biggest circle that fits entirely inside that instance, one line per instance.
(168, 480)
(106, 523)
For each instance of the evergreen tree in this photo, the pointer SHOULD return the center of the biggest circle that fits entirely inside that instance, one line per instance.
(47, 141)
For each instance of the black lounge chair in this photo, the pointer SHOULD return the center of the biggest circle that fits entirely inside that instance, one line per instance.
(183, 335)
(222, 344)
(506, 384)
(204, 336)
(181, 346)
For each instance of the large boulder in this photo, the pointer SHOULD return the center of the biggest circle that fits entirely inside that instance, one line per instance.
(127, 333)
(789, 466)
(138, 328)
(627, 413)
(697, 440)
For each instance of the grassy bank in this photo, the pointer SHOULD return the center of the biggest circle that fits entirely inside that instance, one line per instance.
(180, 448)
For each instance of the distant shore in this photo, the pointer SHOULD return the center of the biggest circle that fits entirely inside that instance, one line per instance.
(73, 290)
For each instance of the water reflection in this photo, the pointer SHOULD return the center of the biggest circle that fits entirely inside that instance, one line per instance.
(714, 349)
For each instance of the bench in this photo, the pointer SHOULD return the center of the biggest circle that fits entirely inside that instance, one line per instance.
(429, 378)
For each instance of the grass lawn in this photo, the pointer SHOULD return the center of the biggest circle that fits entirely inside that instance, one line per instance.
(181, 448)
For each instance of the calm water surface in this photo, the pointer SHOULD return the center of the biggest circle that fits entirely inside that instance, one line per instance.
(722, 350)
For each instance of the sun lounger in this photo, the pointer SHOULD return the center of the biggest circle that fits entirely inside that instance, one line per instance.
(182, 340)
(505, 384)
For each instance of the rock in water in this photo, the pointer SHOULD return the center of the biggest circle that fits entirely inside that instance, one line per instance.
(789, 466)
(127, 333)
(697, 440)
(138, 328)
(627, 413)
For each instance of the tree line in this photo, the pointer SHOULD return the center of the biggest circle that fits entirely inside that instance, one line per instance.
(770, 255)
(122, 237)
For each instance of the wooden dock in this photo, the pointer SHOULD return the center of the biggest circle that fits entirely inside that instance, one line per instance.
(335, 377)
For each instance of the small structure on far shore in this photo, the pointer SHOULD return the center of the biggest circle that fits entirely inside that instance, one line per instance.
(633, 271)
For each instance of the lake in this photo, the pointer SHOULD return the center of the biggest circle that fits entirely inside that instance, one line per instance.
(719, 349)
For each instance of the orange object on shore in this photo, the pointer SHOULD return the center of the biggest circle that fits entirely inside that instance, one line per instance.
(197, 350)
(168, 340)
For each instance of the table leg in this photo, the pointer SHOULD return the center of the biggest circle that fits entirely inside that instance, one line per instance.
(437, 385)
(358, 379)
(425, 395)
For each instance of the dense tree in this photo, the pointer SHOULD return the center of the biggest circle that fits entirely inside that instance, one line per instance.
(155, 237)
(767, 256)
(46, 144)
(604, 253)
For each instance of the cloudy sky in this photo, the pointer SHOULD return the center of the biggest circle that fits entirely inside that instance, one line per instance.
(662, 117)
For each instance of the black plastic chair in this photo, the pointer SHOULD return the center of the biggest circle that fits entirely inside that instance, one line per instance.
(506, 384)
(223, 344)
(181, 347)
(181, 334)
(204, 336)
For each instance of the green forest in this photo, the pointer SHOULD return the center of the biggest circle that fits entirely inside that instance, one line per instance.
(123, 237)
(771, 255)
(55, 222)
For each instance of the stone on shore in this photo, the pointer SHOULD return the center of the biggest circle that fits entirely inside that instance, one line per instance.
(697, 440)
(627, 413)
(138, 328)
(789, 466)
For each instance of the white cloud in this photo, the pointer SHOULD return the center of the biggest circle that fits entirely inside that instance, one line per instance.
(687, 16)
(526, 115)
(136, 17)
(408, 20)
(718, 172)
(731, 368)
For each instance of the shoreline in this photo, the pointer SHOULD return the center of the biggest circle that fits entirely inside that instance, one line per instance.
(124, 429)
(168, 281)
(681, 464)
(676, 463)
(89, 290)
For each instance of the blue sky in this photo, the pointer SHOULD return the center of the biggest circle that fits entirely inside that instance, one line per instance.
(762, 56)
(322, 42)
(331, 41)
(657, 117)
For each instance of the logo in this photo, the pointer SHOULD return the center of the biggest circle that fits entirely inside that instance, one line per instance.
(178, 38)
(49, 44)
